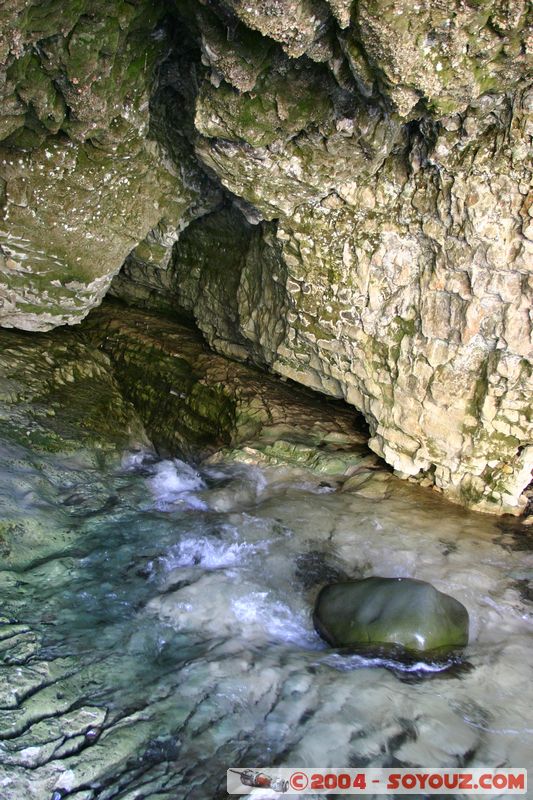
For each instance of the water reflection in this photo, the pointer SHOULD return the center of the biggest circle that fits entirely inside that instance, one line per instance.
(157, 629)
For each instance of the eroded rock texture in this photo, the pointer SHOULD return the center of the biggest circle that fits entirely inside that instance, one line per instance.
(348, 185)
(386, 252)
(58, 396)
(193, 402)
(85, 176)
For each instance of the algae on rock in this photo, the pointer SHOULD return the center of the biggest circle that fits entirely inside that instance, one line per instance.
(403, 612)
(398, 255)
(378, 155)
(194, 402)
(84, 179)
(58, 395)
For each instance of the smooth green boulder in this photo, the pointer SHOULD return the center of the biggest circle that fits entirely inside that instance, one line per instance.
(390, 611)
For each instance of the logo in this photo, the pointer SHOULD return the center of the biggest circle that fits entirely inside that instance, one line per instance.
(260, 780)
(309, 780)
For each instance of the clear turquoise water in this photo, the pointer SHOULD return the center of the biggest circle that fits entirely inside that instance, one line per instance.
(157, 629)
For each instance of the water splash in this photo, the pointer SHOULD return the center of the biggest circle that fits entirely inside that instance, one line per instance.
(173, 482)
(176, 622)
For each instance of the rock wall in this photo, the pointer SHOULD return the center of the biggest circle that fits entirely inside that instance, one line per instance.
(60, 401)
(348, 185)
(194, 402)
(84, 175)
(384, 255)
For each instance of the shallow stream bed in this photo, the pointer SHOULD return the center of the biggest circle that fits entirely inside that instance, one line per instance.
(156, 629)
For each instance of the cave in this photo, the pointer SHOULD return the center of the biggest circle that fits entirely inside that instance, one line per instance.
(265, 326)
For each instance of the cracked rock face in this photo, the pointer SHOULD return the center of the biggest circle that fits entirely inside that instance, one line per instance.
(58, 397)
(194, 402)
(387, 260)
(83, 176)
(407, 291)
(345, 189)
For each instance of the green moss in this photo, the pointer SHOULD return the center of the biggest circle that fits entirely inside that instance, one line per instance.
(470, 495)
(486, 79)
(43, 19)
(180, 412)
(37, 89)
(280, 106)
(481, 388)
(59, 396)
(40, 440)
(318, 330)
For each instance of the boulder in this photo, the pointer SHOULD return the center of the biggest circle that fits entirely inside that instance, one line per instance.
(390, 611)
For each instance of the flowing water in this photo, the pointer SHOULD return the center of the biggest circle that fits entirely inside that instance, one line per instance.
(156, 629)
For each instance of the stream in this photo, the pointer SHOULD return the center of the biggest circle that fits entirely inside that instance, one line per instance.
(156, 629)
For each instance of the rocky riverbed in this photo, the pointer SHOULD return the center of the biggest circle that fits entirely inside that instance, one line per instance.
(265, 327)
(157, 615)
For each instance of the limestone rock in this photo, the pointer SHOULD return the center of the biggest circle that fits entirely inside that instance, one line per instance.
(58, 395)
(334, 457)
(390, 611)
(296, 24)
(72, 214)
(194, 402)
(83, 179)
(337, 192)
(399, 266)
(447, 54)
(238, 58)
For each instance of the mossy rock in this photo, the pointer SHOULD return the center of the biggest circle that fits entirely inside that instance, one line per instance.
(400, 612)
(58, 396)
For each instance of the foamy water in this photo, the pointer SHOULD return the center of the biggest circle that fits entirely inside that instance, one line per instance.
(175, 482)
(170, 608)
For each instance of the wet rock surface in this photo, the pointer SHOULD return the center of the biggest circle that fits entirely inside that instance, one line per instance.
(376, 245)
(58, 395)
(194, 401)
(148, 637)
(349, 213)
(391, 611)
(86, 172)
